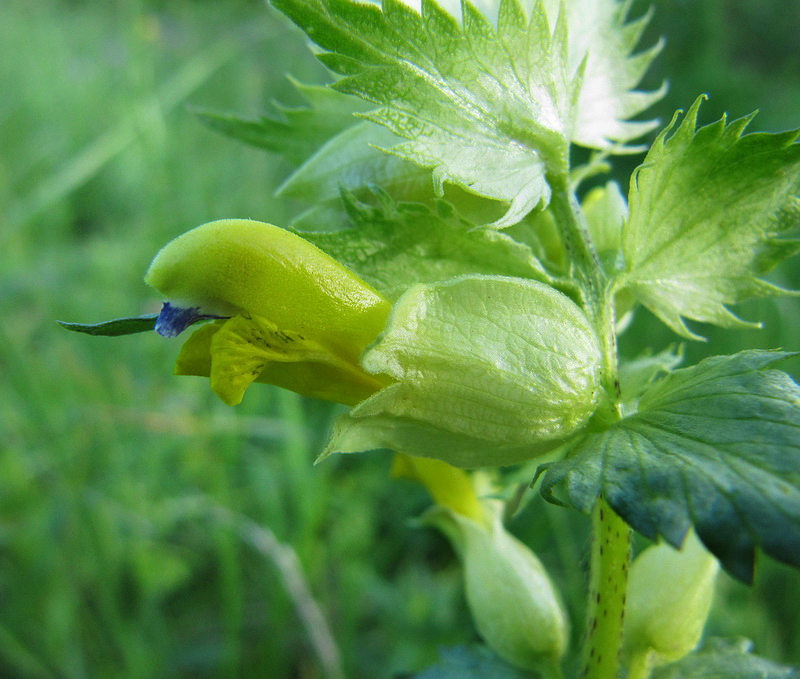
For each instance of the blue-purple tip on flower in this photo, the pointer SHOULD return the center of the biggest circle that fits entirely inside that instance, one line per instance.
(173, 320)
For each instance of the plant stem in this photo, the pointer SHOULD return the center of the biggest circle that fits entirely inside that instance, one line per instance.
(587, 268)
(610, 560)
(595, 286)
(611, 544)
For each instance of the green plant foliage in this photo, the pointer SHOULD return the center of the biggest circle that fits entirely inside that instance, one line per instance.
(637, 374)
(159, 533)
(714, 446)
(491, 108)
(115, 328)
(726, 660)
(396, 245)
(708, 209)
(470, 662)
(292, 132)
(489, 371)
(606, 212)
(351, 161)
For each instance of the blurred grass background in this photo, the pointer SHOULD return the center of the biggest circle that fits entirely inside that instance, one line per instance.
(137, 513)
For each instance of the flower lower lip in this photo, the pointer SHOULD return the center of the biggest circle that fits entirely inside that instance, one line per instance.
(173, 320)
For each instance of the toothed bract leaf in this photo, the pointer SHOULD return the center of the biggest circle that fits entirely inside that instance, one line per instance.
(491, 107)
(637, 374)
(396, 245)
(489, 371)
(708, 208)
(292, 132)
(715, 446)
(722, 659)
(351, 161)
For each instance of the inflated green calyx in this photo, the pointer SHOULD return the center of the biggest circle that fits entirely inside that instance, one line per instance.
(487, 370)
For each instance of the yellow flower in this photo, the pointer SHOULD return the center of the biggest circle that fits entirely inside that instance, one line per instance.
(287, 313)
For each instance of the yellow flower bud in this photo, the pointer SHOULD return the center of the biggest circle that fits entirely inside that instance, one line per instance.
(669, 598)
(295, 316)
(513, 602)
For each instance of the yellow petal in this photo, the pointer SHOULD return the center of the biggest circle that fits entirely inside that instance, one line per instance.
(239, 351)
(195, 356)
(448, 485)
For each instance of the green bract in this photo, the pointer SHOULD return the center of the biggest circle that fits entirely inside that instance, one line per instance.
(393, 245)
(351, 160)
(296, 133)
(714, 446)
(710, 210)
(489, 370)
(489, 106)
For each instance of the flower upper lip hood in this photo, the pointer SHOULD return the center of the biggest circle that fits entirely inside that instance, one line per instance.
(243, 267)
(295, 316)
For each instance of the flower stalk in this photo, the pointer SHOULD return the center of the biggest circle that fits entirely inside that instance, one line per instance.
(610, 563)
(597, 293)
(611, 536)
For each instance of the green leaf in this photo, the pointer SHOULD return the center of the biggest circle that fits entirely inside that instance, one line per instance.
(726, 660)
(396, 245)
(715, 445)
(350, 161)
(470, 662)
(540, 231)
(606, 211)
(119, 326)
(636, 375)
(292, 132)
(708, 209)
(489, 371)
(490, 108)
